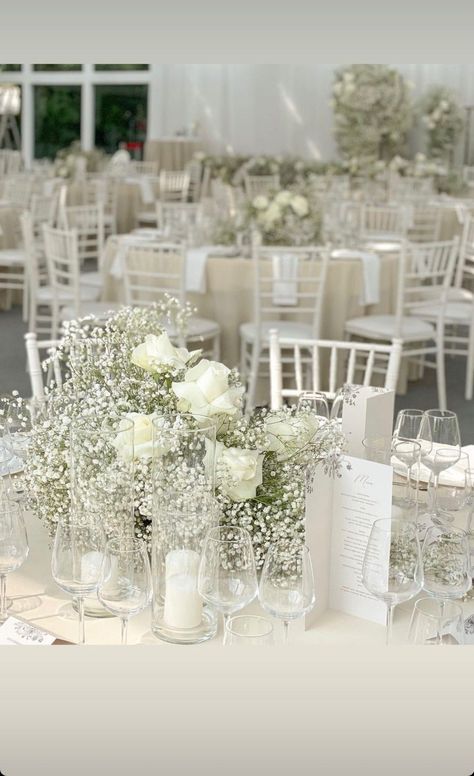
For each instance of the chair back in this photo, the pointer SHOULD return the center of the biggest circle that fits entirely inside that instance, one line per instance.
(18, 190)
(426, 223)
(348, 362)
(35, 369)
(143, 168)
(88, 221)
(425, 275)
(255, 185)
(36, 266)
(178, 220)
(383, 222)
(152, 270)
(289, 283)
(465, 265)
(62, 256)
(174, 185)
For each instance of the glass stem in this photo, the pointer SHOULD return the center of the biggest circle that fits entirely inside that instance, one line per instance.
(286, 628)
(408, 484)
(439, 633)
(124, 630)
(82, 628)
(389, 623)
(226, 620)
(435, 496)
(3, 597)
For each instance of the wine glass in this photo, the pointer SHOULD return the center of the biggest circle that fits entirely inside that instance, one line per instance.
(22, 416)
(392, 569)
(315, 402)
(377, 449)
(248, 630)
(13, 547)
(436, 622)
(454, 487)
(438, 429)
(78, 552)
(446, 562)
(408, 453)
(227, 577)
(407, 424)
(125, 587)
(287, 589)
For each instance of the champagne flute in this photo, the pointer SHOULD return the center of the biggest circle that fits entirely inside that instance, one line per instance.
(227, 577)
(77, 559)
(286, 587)
(438, 429)
(125, 587)
(392, 569)
(13, 547)
(436, 622)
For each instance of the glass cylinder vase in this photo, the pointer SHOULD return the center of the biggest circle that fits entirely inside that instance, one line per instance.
(102, 471)
(183, 511)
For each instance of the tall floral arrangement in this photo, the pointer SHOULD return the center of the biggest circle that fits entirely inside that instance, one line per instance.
(373, 111)
(443, 118)
(130, 367)
(72, 160)
(285, 218)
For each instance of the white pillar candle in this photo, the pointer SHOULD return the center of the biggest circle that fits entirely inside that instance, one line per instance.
(183, 604)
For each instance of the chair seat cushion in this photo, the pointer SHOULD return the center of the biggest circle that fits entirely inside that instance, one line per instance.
(286, 329)
(457, 312)
(460, 295)
(46, 294)
(12, 257)
(97, 309)
(383, 327)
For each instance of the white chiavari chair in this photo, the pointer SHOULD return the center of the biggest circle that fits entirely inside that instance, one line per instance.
(178, 220)
(425, 223)
(383, 223)
(301, 368)
(425, 275)
(465, 267)
(153, 270)
(13, 276)
(174, 185)
(70, 299)
(39, 378)
(255, 185)
(88, 222)
(289, 286)
(149, 188)
(18, 191)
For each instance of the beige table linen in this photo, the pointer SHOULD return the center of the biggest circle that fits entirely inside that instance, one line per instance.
(9, 231)
(129, 202)
(172, 153)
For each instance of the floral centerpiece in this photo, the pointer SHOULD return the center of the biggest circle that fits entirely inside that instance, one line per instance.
(129, 367)
(285, 218)
(373, 113)
(72, 160)
(443, 118)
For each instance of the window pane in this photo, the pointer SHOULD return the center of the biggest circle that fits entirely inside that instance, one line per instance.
(121, 67)
(9, 68)
(120, 117)
(57, 118)
(53, 68)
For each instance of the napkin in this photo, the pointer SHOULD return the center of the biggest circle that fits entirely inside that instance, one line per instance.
(148, 196)
(196, 260)
(370, 273)
(285, 279)
(454, 476)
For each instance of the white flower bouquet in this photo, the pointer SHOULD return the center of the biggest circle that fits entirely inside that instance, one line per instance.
(286, 218)
(130, 368)
(443, 118)
(72, 160)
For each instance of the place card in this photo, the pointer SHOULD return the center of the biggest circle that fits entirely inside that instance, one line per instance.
(22, 633)
(366, 412)
(340, 513)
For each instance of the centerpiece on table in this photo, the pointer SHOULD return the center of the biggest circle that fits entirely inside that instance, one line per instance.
(130, 368)
(285, 218)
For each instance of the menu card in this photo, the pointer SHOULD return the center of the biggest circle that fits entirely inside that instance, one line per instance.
(340, 513)
(20, 632)
(366, 412)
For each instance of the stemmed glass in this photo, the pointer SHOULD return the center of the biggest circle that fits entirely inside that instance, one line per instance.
(408, 453)
(438, 429)
(78, 552)
(314, 402)
(436, 622)
(22, 415)
(227, 577)
(287, 589)
(125, 587)
(13, 547)
(249, 630)
(407, 428)
(455, 485)
(392, 568)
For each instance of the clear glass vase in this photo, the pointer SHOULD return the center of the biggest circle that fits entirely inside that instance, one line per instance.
(183, 511)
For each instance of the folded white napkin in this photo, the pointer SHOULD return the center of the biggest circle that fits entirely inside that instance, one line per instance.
(146, 189)
(285, 279)
(196, 260)
(370, 273)
(454, 476)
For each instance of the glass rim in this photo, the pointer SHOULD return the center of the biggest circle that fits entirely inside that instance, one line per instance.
(138, 544)
(209, 425)
(403, 441)
(410, 411)
(444, 450)
(252, 618)
(433, 600)
(437, 413)
(82, 424)
(244, 534)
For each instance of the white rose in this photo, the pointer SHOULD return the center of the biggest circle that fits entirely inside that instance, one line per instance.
(239, 471)
(284, 197)
(206, 391)
(288, 434)
(260, 202)
(157, 354)
(273, 213)
(138, 440)
(300, 205)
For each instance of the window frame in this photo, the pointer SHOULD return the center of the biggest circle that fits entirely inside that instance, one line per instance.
(87, 78)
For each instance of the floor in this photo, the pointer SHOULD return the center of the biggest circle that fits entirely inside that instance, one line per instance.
(421, 394)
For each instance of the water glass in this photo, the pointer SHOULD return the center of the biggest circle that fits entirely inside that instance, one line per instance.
(446, 562)
(227, 577)
(13, 547)
(287, 589)
(377, 449)
(125, 587)
(315, 402)
(436, 623)
(392, 570)
(248, 630)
